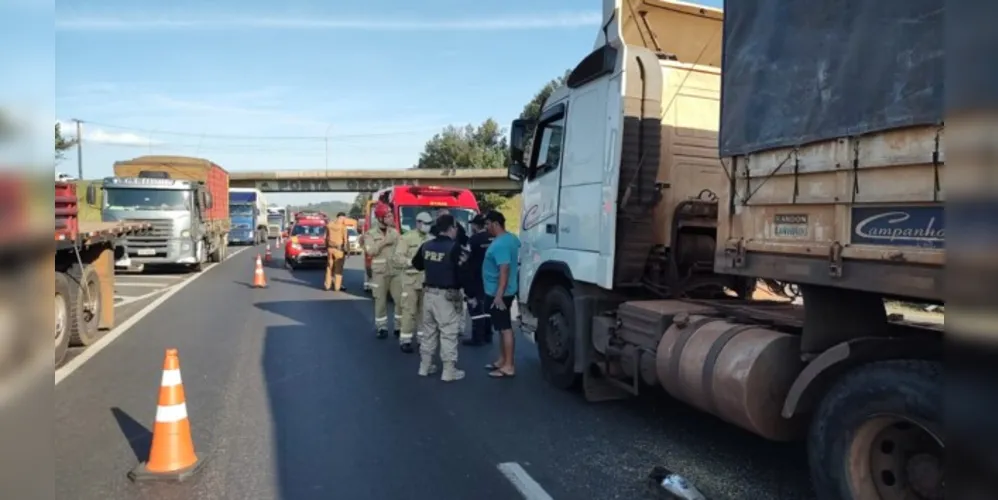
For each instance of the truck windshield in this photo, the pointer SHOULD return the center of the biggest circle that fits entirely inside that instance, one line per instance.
(308, 231)
(351, 231)
(147, 199)
(275, 219)
(241, 210)
(407, 215)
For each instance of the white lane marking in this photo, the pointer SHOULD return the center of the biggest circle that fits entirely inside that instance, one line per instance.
(523, 482)
(148, 276)
(124, 301)
(137, 284)
(75, 363)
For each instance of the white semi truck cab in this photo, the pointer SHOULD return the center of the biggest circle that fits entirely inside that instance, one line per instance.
(642, 240)
(622, 177)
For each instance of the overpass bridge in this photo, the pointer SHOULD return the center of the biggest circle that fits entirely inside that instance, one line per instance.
(314, 181)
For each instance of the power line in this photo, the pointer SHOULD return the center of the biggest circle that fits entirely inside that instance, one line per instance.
(261, 138)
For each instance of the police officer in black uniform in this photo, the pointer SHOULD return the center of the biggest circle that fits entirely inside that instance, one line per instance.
(441, 260)
(461, 237)
(474, 288)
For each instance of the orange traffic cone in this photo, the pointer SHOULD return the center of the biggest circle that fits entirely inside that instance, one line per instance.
(259, 280)
(171, 457)
(267, 256)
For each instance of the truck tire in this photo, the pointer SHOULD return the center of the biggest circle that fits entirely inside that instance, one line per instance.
(218, 255)
(876, 434)
(199, 265)
(555, 338)
(84, 305)
(62, 315)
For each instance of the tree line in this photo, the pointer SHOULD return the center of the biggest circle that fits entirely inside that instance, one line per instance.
(470, 146)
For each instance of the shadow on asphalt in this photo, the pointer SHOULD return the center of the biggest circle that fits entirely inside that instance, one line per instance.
(138, 436)
(348, 409)
(315, 278)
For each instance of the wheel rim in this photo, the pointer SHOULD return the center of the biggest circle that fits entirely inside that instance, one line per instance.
(61, 318)
(92, 304)
(895, 458)
(556, 336)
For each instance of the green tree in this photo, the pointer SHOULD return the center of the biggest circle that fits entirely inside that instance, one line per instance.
(532, 110)
(483, 146)
(469, 147)
(62, 143)
(357, 208)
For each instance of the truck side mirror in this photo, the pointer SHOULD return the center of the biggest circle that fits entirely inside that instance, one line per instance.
(91, 196)
(517, 145)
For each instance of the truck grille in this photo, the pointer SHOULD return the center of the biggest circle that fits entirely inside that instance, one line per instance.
(157, 239)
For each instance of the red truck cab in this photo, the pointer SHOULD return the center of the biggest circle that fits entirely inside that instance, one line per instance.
(408, 201)
(306, 243)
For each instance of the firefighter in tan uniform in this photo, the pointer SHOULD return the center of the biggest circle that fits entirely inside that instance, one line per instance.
(412, 280)
(379, 243)
(336, 246)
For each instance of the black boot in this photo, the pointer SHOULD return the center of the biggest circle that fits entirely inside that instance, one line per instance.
(382, 333)
(398, 333)
(406, 347)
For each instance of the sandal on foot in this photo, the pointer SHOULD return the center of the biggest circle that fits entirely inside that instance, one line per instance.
(501, 374)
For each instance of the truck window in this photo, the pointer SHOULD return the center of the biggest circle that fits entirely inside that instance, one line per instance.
(548, 157)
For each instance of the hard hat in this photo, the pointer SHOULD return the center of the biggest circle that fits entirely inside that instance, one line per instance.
(381, 210)
(424, 217)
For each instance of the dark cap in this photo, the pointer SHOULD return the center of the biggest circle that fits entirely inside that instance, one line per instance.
(496, 216)
(478, 220)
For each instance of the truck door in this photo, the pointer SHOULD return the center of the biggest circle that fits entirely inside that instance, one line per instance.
(539, 227)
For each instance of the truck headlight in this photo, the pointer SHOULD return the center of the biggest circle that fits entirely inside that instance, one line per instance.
(185, 234)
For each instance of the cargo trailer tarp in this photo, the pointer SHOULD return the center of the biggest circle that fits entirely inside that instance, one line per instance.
(802, 71)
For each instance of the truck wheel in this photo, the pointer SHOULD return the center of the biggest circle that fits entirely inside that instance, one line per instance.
(62, 314)
(876, 434)
(199, 252)
(556, 338)
(84, 305)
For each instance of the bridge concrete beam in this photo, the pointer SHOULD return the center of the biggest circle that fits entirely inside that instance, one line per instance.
(297, 181)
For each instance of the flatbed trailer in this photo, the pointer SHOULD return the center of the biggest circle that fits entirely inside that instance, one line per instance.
(84, 272)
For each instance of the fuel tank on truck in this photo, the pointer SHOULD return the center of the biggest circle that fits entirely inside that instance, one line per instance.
(738, 372)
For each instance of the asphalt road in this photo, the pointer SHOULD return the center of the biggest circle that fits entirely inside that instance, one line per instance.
(133, 291)
(291, 397)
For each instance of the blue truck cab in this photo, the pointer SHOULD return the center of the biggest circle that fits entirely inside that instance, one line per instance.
(247, 211)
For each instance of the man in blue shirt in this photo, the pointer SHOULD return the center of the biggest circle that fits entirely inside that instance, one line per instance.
(499, 276)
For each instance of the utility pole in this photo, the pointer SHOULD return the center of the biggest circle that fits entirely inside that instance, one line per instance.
(79, 150)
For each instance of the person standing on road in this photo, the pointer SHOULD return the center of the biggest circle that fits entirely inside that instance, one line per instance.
(499, 276)
(481, 324)
(441, 259)
(412, 280)
(379, 243)
(337, 243)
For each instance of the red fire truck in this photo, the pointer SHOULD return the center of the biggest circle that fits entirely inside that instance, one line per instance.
(306, 243)
(409, 201)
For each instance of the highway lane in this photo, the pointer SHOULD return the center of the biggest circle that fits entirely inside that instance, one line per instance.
(134, 291)
(291, 396)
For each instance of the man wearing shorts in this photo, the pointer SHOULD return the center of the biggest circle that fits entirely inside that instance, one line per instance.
(499, 275)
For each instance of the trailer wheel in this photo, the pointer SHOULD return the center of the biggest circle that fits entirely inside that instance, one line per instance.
(84, 305)
(62, 316)
(556, 338)
(877, 434)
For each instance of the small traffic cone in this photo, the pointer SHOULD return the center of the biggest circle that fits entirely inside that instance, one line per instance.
(171, 457)
(267, 256)
(259, 280)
